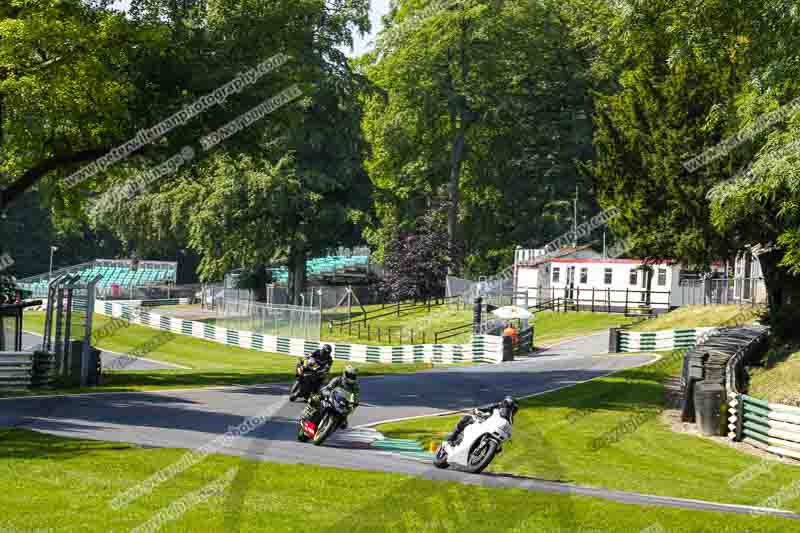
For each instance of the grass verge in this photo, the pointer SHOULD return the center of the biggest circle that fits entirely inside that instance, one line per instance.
(777, 381)
(647, 457)
(700, 316)
(211, 364)
(58, 484)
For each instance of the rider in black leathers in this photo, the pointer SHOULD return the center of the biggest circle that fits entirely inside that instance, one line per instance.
(323, 358)
(508, 408)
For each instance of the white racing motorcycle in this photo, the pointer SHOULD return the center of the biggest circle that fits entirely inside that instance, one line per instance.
(477, 445)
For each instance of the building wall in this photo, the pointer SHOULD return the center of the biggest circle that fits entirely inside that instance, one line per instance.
(540, 281)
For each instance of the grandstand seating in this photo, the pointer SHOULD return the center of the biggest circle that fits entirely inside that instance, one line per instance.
(329, 269)
(112, 273)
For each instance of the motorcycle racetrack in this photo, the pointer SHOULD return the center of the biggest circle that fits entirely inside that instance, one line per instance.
(194, 418)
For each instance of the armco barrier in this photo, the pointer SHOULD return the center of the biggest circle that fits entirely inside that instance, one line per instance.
(656, 341)
(26, 369)
(481, 349)
(772, 427)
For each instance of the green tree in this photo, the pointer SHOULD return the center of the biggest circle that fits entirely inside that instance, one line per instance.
(484, 100)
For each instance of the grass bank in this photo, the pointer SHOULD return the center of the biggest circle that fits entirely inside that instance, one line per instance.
(610, 433)
(700, 316)
(210, 363)
(57, 484)
(778, 380)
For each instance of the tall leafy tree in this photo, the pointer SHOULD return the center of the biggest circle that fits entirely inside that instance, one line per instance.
(481, 98)
(289, 185)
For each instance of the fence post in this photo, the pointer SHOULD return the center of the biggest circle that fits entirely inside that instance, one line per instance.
(398, 312)
(739, 437)
(613, 340)
(476, 316)
(369, 337)
(592, 299)
(429, 304)
(626, 301)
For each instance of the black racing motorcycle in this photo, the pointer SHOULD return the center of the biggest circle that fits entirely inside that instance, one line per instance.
(310, 376)
(318, 424)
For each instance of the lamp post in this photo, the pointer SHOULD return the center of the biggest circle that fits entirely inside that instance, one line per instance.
(52, 249)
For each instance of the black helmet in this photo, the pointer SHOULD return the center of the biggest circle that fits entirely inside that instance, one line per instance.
(350, 374)
(511, 404)
(326, 349)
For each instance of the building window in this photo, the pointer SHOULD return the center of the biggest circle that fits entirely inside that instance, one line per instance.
(607, 276)
(662, 276)
(634, 276)
(584, 275)
(556, 274)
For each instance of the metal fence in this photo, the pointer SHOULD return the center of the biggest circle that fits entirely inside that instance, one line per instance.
(497, 292)
(277, 320)
(721, 291)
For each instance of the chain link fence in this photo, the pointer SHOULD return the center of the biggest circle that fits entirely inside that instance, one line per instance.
(268, 319)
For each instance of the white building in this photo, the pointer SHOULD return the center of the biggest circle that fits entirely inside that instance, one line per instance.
(584, 277)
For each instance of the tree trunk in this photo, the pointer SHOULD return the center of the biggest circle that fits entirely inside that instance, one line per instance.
(297, 273)
(454, 189)
(783, 288)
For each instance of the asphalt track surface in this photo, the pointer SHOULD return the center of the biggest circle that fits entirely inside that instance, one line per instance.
(194, 418)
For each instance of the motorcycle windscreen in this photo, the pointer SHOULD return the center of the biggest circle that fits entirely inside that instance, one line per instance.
(342, 399)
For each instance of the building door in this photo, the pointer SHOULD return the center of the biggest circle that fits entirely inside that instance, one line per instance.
(571, 282)
(748, 272)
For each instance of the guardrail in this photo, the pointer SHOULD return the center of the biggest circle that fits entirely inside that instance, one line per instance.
(480, 349)
(665, 340)
(26, 369)
(771, 427)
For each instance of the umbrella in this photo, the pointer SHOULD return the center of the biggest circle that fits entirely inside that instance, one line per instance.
(512, 311)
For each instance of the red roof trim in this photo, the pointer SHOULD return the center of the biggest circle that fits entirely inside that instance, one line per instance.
(615, 261)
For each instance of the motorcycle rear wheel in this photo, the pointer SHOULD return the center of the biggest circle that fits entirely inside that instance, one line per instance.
(301, 435)
(481, 454)
(326, 427)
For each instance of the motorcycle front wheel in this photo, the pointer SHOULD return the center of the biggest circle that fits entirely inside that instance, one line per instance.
(295, 391)
(301, 435)
(326, 426)
(440, 461)
(481, 454)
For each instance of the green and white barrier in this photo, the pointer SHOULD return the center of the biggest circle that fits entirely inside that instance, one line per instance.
(665, 340)
(481, 349)
(772, 427)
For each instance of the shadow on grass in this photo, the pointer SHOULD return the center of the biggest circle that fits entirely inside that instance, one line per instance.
(26, 444)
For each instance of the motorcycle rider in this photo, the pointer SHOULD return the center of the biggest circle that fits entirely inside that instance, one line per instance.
(508, 408)
(347, 381)
(323, 357)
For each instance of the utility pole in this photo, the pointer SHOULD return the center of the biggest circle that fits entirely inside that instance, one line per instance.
(575, 220)
(604, 244)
